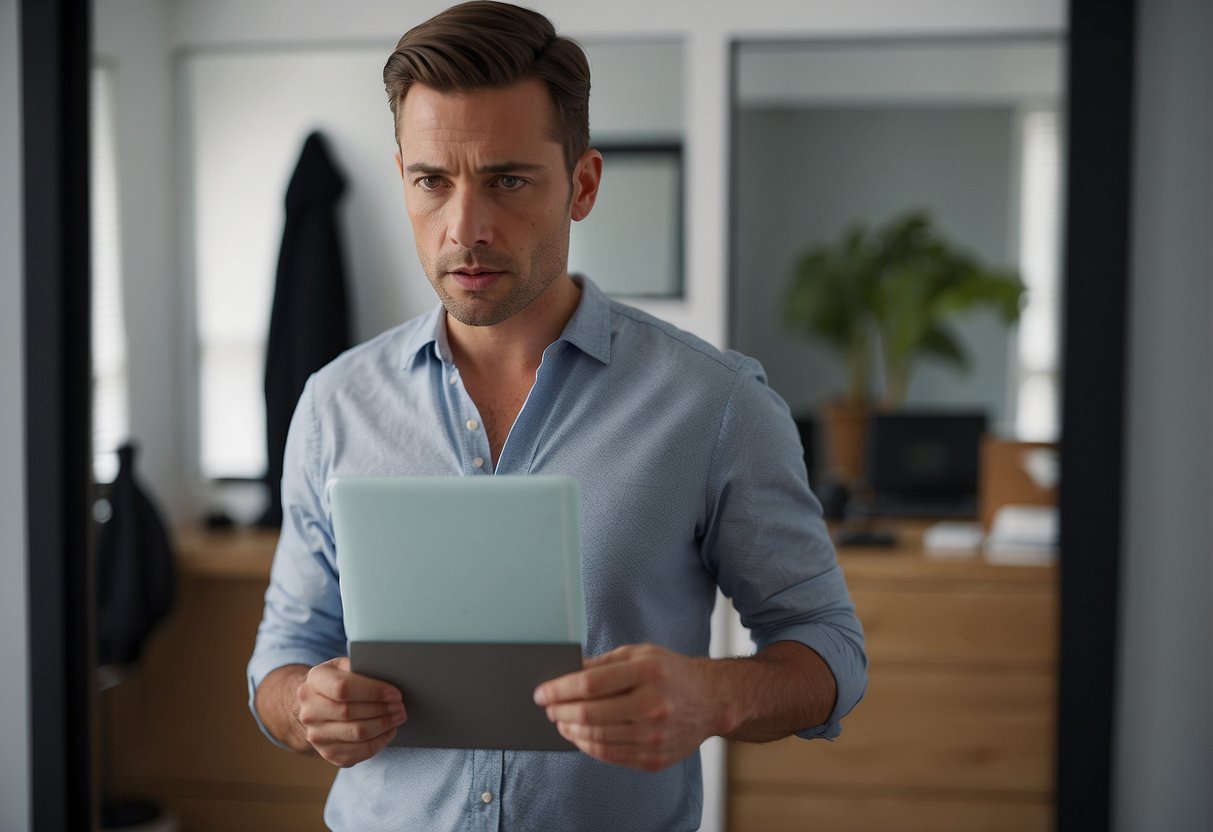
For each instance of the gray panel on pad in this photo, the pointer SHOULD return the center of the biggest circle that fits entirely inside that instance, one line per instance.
(470, 695)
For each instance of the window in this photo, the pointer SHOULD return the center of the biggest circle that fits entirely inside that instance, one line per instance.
(111, 403)
(1038, 377)
(231, 357)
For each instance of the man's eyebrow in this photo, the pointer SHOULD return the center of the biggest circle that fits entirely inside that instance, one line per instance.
(499, 167)
(512, 167)
(422, 167)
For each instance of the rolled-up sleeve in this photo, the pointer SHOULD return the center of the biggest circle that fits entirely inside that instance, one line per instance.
(302, 621)
(769, 546)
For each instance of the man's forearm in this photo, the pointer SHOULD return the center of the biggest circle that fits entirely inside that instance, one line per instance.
(277, 705)
(784, 688)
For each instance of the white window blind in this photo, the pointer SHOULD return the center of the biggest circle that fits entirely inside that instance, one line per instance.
(111, 419)
(1038, 376)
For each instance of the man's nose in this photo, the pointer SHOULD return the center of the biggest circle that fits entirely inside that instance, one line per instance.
(470, 220)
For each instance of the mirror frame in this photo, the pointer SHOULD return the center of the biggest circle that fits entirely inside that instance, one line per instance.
(1094, 367)
(55, 40)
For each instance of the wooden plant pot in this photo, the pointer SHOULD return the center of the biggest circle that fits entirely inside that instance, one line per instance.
(845, 428)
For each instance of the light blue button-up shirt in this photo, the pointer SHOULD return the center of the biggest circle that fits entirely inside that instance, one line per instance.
(691, 476)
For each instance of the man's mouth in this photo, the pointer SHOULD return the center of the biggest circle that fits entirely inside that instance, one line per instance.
(475, 278)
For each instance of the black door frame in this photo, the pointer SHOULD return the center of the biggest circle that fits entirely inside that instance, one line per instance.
(55, 60)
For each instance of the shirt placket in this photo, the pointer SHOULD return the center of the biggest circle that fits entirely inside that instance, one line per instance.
(485, 797)
(474, 455)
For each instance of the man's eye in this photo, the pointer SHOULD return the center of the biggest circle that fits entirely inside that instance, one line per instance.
(430, 183)
(511, 183)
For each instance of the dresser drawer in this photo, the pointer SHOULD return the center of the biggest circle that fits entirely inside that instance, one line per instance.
(969, 626)
(951, 730)
(762, 812)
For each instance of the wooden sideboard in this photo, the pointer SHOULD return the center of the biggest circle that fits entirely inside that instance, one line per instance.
(179, 728)
(956, 731)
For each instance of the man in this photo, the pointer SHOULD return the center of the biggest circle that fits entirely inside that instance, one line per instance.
(689, 465)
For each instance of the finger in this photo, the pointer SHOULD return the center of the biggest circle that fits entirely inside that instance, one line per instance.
(316, 708)
(618, 654)
(592, 683)
(622, 734)
(632, 755)
(354, 732)
(347, 754)
(335, 681)
(615, 710)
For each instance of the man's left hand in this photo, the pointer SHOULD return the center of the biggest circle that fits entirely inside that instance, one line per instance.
(640, 706)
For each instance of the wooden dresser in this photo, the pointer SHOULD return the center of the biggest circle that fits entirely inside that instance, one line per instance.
(180, 730)
(956, 731)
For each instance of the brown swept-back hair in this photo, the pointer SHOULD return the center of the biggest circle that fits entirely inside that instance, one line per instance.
(483, 45)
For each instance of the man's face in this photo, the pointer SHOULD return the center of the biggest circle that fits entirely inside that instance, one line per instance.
(489, 196)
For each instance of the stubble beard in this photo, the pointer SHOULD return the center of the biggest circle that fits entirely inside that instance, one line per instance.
(521, 286)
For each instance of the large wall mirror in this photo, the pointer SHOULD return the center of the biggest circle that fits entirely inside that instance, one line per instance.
(831, 135)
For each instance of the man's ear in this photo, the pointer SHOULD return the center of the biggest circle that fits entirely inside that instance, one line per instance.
(399, 164)
(587, 174)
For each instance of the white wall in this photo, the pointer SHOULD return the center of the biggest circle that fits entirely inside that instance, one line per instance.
(706, 27)
(14, 681)
(1164, 740)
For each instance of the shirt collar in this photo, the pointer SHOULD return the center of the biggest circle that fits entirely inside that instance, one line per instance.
(589, 329)
(430, 333)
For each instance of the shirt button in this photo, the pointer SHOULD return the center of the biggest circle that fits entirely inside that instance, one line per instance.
(472, 424)
(478, 462)
(454, 378)
(486, 797)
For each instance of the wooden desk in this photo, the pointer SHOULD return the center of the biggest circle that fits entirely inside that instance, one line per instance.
(179, 726)
(956, 731)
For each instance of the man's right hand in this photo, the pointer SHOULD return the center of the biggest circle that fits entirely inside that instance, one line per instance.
(330, 711)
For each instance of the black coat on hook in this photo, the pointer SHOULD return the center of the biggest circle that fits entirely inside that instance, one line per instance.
(309, 324)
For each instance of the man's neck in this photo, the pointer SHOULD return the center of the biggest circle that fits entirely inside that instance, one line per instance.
(515, 346)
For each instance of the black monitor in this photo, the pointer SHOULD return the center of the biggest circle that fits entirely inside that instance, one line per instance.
(925, 463)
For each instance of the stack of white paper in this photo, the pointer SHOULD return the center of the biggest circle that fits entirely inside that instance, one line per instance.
(1023, 535)
(953, 539)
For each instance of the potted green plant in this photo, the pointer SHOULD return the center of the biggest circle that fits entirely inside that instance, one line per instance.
(888, 295)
